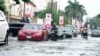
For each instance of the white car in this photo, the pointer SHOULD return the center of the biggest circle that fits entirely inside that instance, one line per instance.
(3, 29)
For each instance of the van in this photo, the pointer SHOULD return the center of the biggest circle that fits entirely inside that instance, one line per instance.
(3, 29)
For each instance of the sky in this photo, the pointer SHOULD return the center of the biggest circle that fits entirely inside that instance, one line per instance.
(92, 6)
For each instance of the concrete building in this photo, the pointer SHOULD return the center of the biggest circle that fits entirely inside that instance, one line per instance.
(53, 4)
(16, 11)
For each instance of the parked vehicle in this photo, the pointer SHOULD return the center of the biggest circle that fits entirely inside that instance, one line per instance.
(14, 28)
(60, 32)
(65, 32)
(4, 29)
(95, 33)
(33, 32)
(73, 29)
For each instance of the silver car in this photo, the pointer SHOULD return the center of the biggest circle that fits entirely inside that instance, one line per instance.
(73, 29)
(65, 32)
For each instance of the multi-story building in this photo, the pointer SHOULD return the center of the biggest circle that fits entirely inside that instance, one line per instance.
(16, 11)
(53, 4)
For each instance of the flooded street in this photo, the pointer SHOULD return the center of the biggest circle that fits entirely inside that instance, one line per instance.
(67, 47)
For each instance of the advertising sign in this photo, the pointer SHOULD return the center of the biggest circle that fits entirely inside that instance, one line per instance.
(27, 10)
(61, 20)
(48, 20)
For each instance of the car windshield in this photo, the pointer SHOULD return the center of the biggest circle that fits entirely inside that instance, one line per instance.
(96, 30)
(28, 26)
(31, 26)
(71, 27)
(67, 29)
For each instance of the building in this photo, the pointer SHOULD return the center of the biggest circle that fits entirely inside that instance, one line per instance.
(16, 11)
(53, 4)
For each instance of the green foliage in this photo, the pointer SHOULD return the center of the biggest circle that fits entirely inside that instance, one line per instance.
(95, 21)
(42, 14)
(27, 1)
(62, 13)
(55, 15)
(2, 6)
(98, 16)
(75, 10)
(17, 1)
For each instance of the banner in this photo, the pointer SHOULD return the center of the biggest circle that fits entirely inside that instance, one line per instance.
(61, 20)
(27, 10)
(48, 20)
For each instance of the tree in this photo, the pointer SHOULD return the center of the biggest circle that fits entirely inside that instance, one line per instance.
(75, 10)
(42, 14)
(27, 1)
(95, 22)
(62, 13)
(2, 6)
(17, 1)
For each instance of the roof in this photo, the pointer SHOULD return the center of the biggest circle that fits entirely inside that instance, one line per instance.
(33, 4)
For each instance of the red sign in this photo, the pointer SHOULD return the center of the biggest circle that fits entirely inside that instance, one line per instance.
(61, 20)
(48, 21)
(27, 10)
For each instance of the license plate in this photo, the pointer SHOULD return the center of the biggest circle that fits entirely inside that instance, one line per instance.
(28, 36)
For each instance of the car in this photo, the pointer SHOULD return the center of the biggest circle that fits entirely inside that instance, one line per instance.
(95, 33)
(14, 28)
(4, 29)
(73, 29)
(65, 32)
(33, 31)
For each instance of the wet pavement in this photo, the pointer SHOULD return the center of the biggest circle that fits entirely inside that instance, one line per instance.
(67, 47)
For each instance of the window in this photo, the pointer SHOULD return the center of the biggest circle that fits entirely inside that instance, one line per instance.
(36, 27)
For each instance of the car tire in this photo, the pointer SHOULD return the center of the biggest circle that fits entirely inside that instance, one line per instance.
(6, 38)
(75, 35)
(54, 38)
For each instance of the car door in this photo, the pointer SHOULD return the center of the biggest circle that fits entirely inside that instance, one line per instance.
(3, 26)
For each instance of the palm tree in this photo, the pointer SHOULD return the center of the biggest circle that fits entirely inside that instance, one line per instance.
(75, 10)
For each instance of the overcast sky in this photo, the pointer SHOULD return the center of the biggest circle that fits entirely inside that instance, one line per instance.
(92, 6)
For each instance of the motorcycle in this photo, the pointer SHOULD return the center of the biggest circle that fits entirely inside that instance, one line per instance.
(53, 35)
(85, 35)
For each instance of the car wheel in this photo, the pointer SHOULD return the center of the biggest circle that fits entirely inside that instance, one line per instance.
(6, 39)
(75, 35)
(60, 37)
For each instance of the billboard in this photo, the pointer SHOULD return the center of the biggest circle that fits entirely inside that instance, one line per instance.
(48, 20)
(61, 20)
(27, 10)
